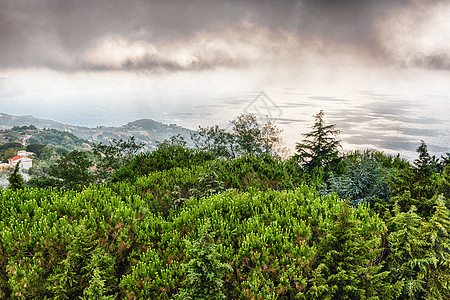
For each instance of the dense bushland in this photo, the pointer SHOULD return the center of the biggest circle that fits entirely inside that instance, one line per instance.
(182, 223)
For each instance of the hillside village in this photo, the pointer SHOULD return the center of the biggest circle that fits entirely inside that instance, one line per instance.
(22, 157)
(36, 144)
(146, 131)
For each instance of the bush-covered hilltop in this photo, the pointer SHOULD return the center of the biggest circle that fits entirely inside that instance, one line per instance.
(229, 219)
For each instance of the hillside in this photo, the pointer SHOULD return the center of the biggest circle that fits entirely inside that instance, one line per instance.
(9, 121)
(49, 137)
(145, 131)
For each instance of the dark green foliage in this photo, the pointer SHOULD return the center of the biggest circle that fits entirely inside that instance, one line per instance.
(73, 169)
(208, 183)
(9, 150)
(423, 164)
(100, 243)
(165, 157)
(43, 182)
(170, 188)
(15, 179)
(424, 167)
(204, 271)
(363, 181)
(445, 161)
(15, 145)
(48, 154)
(259, 172)
(319, 149)
(37, 149)
(61, 151)
(57, 139)
(444, 182)
(418, 184)
(87, 271)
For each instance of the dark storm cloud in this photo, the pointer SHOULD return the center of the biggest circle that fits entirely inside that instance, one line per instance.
(180, 35)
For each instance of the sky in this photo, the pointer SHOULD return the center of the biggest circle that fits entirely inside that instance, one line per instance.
(373, 66)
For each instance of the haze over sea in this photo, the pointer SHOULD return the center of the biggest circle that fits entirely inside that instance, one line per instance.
(369, 119)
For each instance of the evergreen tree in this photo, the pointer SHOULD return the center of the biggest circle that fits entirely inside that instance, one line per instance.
(437, 233)
(423, 164)
(410, 256)
(444, 182)
(348, 265)
(418, 184)
(319, 148)
(364, 181)
(15, 179)
(209, 183)
(86, 271)
(204, 271)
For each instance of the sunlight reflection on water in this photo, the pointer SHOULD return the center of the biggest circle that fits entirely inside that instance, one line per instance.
(368, 120)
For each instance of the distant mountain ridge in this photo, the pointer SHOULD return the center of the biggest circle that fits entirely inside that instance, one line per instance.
(146, 131)
(9, 121)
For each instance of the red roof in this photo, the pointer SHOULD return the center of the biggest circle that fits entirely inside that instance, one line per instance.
(18, 157)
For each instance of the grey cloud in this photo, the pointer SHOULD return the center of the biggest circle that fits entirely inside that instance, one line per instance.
(58, 34)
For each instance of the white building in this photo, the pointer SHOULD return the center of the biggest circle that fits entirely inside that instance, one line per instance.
(25, 162)
(24, 153)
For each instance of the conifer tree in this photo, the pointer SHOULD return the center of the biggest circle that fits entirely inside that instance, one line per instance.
(410, 254)
(15, 179)
(348, 261)
(319, 148)
(204, 271)
(364, 181)
(444, 182)
(86, 271)
(437, 232)
(423, 164)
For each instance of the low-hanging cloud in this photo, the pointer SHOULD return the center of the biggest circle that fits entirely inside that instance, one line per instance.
(236, 46)
(155, 36)
(418, 34)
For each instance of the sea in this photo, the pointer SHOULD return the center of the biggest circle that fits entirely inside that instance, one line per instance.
(367, 119)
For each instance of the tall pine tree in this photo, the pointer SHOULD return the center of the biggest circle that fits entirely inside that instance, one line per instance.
(15, 179)
(319, 148)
